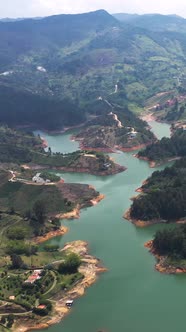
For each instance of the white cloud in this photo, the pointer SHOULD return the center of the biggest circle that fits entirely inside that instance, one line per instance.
(26, 8)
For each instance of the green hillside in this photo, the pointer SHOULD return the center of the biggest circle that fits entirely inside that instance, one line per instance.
(60, 65)
(166, 148)
(164, 195)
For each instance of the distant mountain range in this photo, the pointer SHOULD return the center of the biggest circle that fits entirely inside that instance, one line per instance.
(8, 19)
(75, 59)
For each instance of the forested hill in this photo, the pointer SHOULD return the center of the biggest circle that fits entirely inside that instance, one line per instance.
(165, 195)
(20, 107)
(166, 148)
(118, 128)
(21, 37)
(79, 58)
(154, 22)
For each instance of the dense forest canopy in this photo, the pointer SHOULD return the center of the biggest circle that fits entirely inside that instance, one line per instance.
(171, 242)
(164, 195)
(24, 108)
(167, 147)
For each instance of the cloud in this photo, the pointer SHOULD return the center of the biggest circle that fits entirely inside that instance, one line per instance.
(27, 8)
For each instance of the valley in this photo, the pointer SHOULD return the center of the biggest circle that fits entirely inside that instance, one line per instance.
(87, 103)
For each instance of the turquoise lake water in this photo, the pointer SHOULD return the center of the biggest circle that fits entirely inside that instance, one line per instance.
(131, 296)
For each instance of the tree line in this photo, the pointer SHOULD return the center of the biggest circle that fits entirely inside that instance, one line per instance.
(164, 195)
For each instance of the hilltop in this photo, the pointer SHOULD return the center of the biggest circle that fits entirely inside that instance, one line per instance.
(66, 62)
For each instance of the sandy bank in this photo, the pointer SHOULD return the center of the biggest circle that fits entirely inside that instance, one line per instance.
(44, 142)
(133, 148)
(109, 149)
(75, 213)
(90, 268)
(148, 117)
(154, 164)
(97, 199)
(138, 222)
(59, 232)
(140, 189)
(111, 171)
(84, 147)
(142, 223)
(161, 265)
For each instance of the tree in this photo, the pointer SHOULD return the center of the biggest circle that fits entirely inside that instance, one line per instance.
(16, 233)
(3, 320)
(17, 261)
(70, 265)
(39, 210)
(51, 247)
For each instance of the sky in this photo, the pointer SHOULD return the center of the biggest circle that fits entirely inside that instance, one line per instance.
(33, 8)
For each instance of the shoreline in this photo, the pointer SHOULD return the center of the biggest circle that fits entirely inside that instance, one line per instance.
(110, 150)
(44, 143)
(160, 265)
(91, 267)
(154, 164)
(75, 213)
(140, 189)
(117, 169)
(50, 235)
(148, 117)
(143, 223)
(138, 222)
(50, 132)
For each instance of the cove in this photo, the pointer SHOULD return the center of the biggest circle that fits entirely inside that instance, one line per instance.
(131, 296)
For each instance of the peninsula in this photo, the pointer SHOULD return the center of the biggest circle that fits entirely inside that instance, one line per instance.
(168, 246)
(117, 129)
(24, 149)
(27, 306)
(167, 149)
(36, 284)
(162, 197)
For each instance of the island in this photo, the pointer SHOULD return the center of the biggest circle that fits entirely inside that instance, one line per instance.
(169, 248)
(162, 197)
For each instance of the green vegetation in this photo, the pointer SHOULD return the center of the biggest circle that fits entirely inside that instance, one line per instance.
(49, 176)
(70, 61)
(16, 146)
(24, 198)
(104, 132)
(164, 195)
(20, 107)
(30, 290)
(70, 264)
(171, 242)
(19, 147)
(166, 148)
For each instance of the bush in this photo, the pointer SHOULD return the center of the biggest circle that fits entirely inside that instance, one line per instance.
(70, 265)
(17, 233)
(51, 247)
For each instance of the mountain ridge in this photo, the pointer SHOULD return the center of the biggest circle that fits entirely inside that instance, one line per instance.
(87, 56)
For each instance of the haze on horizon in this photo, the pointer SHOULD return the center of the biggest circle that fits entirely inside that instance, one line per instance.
(34, 8)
